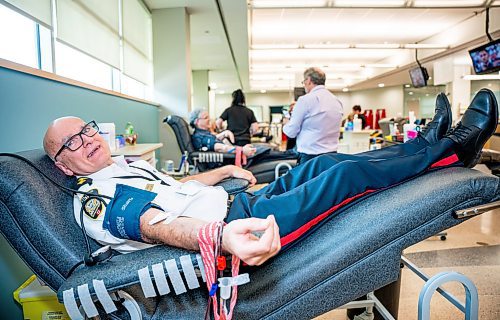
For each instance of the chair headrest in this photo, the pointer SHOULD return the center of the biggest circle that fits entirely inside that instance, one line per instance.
(181, 131)
(37, 217)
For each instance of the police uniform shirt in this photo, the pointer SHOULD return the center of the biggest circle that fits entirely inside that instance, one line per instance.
(191, 199)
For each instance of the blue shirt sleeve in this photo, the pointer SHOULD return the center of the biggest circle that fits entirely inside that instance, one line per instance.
(203, 138)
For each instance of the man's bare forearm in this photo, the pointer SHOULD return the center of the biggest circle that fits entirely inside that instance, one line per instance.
(182, 232)
(212, 177)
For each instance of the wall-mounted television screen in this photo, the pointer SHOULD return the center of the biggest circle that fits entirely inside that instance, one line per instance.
(419, 77)
(486, 58)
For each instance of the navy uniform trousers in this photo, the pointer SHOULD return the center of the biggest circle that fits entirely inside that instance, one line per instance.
(317, 190)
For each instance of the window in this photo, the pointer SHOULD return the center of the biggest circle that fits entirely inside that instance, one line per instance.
(133, 87)
(84, 40)
(71, 63)
(19, 46)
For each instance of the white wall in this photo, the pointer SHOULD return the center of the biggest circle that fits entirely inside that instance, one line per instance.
(389, 98)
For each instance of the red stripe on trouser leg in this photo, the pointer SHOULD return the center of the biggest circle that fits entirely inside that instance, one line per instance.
(445, 162)
(289, 238)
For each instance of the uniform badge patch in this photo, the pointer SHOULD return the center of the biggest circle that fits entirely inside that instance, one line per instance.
(149, 186)
(93, 207)
(83, 181)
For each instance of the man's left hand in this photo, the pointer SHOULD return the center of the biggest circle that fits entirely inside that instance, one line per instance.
(237, 172)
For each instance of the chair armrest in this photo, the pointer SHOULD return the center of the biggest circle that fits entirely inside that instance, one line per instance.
(234, 185)
(210, 156)
(121, 271)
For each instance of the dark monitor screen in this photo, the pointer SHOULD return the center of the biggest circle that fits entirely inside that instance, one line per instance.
(486, 58)
(419, 77)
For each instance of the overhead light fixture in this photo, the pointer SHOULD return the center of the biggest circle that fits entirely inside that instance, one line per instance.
(448, 3)
(410, 93)
(275, 46)
(425, 46)
(407, 86)
(263, 91)
(272, 76)
(482, 76)
(350, 46)
(377, 46)
(289, 3)
(222, 92)
(327, 46)
(381, 65)
(345, 89)
(381, 85)
(369, 3)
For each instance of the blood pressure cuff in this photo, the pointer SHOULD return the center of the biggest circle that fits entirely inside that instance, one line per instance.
(124, 212)
(204, 139)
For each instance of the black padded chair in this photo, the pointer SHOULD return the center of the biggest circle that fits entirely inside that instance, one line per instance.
(356, 251)
(263, 170)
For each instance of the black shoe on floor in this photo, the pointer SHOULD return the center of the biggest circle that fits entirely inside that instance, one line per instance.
(476, 127)
(441, 123)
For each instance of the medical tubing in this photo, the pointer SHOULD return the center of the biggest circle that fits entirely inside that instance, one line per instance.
(88, 257)
(151, 173)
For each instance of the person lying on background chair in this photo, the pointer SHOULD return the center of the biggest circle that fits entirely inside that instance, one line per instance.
(203, 138)
(283, 212)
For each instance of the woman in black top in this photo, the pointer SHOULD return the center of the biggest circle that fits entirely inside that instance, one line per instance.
(240, 119)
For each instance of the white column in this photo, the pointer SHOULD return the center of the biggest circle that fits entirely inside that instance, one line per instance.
(172, 72)
(200, 89)
(460, 91)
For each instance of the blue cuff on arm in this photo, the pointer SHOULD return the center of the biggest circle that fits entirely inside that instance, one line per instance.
(124, 212)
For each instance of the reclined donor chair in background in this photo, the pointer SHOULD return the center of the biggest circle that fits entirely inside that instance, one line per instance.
(332, 266)
(264, 171)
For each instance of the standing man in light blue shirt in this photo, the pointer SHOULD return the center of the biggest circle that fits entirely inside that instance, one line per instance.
(316, 118)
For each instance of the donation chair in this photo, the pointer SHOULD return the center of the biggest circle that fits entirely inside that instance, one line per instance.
(264, 171)
(355, 252)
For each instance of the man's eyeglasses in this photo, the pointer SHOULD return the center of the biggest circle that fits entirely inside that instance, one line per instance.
(303, 81)
(75, 142)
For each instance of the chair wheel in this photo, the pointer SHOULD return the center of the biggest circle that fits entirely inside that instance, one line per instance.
(442, 238)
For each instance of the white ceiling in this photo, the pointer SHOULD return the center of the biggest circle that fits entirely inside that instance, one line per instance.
(272, 45)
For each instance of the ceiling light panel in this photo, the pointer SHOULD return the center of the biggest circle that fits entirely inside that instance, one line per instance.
(352, 25)
(369, 3)
(275, 46)
(318, 54)
(448, 3)
(426, 46)
(327, 46)
(377, 46)
(288, 3)
(267, 68)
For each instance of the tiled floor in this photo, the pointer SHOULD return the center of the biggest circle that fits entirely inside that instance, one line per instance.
(471, 248)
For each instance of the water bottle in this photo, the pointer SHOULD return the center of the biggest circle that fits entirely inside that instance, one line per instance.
(130, 135)
(129, 129)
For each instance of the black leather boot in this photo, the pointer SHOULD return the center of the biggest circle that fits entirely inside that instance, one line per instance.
(476, 127)
(441, 123)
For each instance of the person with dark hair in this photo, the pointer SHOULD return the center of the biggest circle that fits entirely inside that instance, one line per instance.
(241, 120)
(356, 110)
(316, 118)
